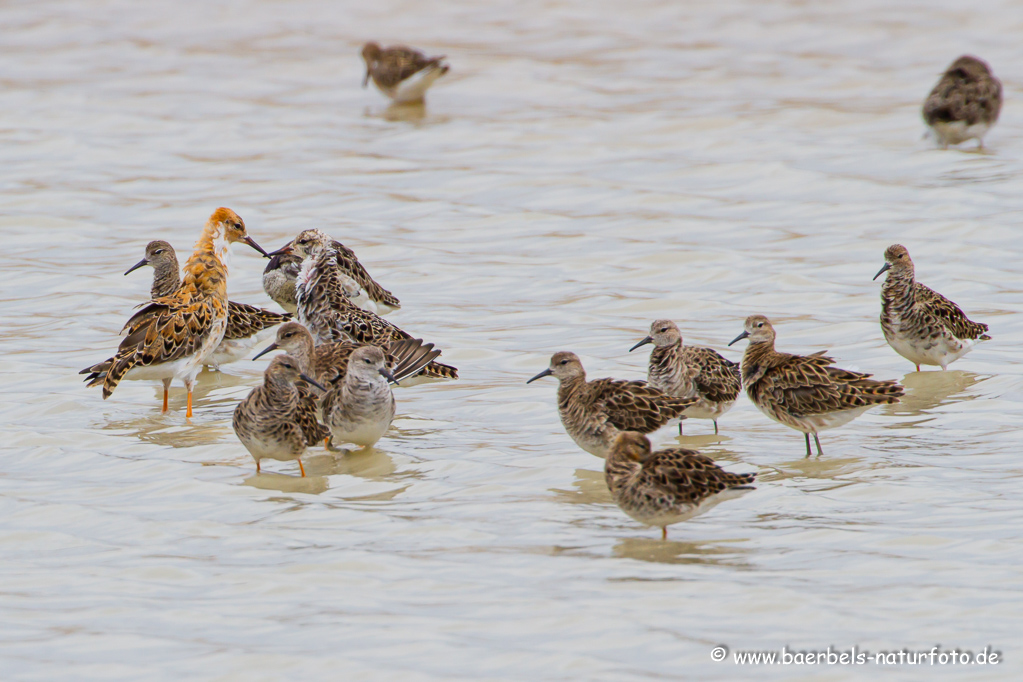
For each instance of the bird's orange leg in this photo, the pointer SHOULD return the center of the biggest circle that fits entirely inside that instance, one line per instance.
(188, 412)
(664, 532)
(257, 466)
(301, 468)
(165, 391)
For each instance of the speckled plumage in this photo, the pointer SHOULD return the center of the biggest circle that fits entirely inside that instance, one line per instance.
(275, 420)
(172, 335)
(353, 279)
(247, 324)
(594, 412)
(330, 316)
(667, 486)
(965, 103)
(691, 372)
(360, 408)
(805, 392)
(401, 73)
(920, 324)
(328, 362)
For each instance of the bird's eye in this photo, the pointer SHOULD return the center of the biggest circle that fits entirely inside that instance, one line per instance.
(563, 362)
(157, 252)
(303, 241)
(664, 329)
(759, 325)
(367, 361)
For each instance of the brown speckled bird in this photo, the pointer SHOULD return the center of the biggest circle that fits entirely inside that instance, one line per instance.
(328, 314)
(274, 421)
(354, 281)
(247, 325)
(805, 392)
(691, 372)
(594, 412)
(668, 486)
(328, 362)
(919, 323)
(172, 335)
(401, 73)
(965, 103)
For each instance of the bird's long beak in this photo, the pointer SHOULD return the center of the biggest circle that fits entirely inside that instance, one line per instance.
(272, 346)
(384, 372)
(137, 266)
(252, 242)
(312, 382)
(740, 337)
(283, 250)
(884, 268)
(546, 373)
(642, 343)
(365, 81)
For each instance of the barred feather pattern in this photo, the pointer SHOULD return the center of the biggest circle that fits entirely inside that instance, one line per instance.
(696, 372)
(919, 323)
(666, 486)
(331, 317)
(595, 412)
(801, 391)
(189, 322)
(275, 420)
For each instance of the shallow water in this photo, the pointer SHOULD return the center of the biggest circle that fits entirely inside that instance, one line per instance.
(584, 169)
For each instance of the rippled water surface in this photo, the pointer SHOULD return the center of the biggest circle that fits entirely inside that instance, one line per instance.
(585, 168)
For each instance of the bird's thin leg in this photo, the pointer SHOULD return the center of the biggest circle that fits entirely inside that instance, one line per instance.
(715, 427)
(301, 468)
(664, 532)
(257, 466)
(807, 437)
(188, 411)
(918, 368)
(166, 391)
(818, 441)
(680, 428)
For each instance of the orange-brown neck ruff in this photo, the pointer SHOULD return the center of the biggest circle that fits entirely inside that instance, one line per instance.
(206, 269)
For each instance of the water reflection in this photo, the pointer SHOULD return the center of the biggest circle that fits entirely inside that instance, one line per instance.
(589, 488)
(312, 485)
(408, 113)
(927, 390)
(718, 553)
(171, 429)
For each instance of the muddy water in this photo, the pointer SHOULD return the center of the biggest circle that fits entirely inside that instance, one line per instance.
(584, 169)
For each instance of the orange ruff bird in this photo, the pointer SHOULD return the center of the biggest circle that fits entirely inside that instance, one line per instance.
(172, 335)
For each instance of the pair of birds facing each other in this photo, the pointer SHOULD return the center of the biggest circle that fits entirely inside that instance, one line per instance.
(401, 73)
(964, 104)
(172, 336)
